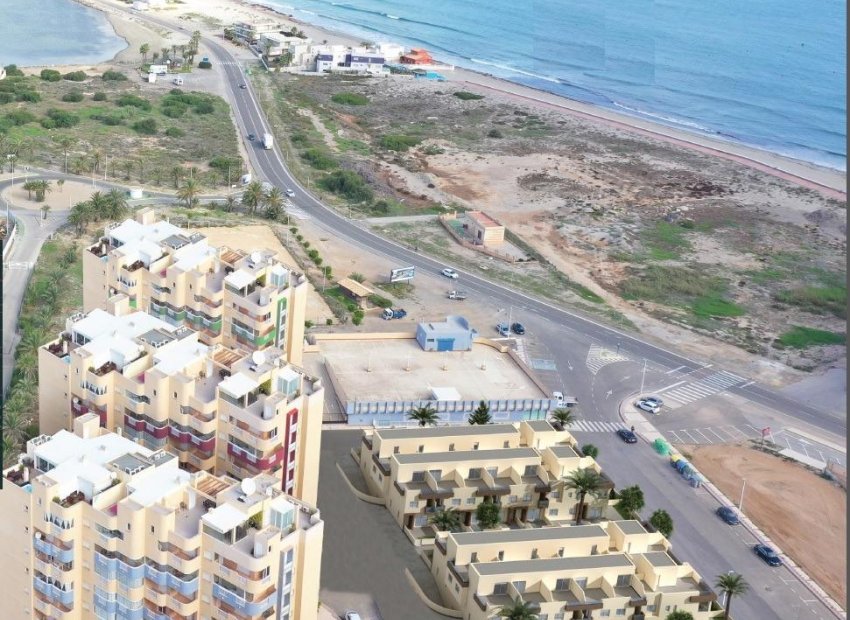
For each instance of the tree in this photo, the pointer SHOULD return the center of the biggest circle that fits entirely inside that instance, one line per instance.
(285, 58)
(229, 204)
(481, 415)
(447, 520)
(177, 173)
(267, 48)
(30, 186)
(253, 196)
(99, 206)
(65, 142)
(60, 183)
(590, 450)
(41, 189)
(488, 515)
(731, 584)
(189, 192)
(144, 48)
(80, 216)
(680, 614)
(117, 206)
(584, 481)
(662, 521)
(631, 502)
(155, 57)
(274, 203)
(424, 416)
(563, 417)
(45, 209)
(519, 610)
(97, 158)
(164, 54)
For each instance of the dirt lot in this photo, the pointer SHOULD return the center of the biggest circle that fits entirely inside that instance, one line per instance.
(805, 514)
(675, 241)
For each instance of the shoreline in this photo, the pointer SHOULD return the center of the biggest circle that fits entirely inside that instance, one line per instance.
(828, 181)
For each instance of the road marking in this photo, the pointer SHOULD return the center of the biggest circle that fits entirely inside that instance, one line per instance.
(594, 426)
(703, 388)
(608, 394)
(669, 386)
(715, 434)
(598, 357)
(696, 430)
(746, 384)
(678, 440)
(670, 372)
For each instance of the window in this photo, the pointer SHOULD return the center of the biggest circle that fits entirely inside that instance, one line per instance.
(623, 580)
(396, 450)
(451, 447)
(501, 555)
(621, 612)
(153, 530)
(581, 582)
(418, 476)
(530, 470)
(553, 512)
(493, 471)
(456, 501)
(507, 444)
(475, 446)
(605, 613)
(520, 586)
(500, 588)
(474, 473)
(474, 557)
(562, 584)
(512, 499)
(421, 449)
(470, 500)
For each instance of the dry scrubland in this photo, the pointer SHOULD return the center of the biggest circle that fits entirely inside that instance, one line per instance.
(644, 231)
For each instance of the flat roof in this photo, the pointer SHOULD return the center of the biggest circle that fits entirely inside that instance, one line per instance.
(225, 517)
(482, 218)
(240, 278)
(355, 287)
(444, 431)
(147, 488)
(399, 370)
(540, 425)
(630, 527)
(548, 565)
(238, 385)
(563, 451)
(483, 456)
(659, 558)
(452, 324)
(529, 534)
(177, 356)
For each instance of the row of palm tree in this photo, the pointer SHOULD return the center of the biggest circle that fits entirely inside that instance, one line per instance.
(41, 187)
(426, 415)
(270, 202)
(187, 51)
(100, 206)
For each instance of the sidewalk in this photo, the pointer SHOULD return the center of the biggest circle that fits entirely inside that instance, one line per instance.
(647, 431)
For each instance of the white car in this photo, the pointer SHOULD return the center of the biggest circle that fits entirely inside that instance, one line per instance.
(449, 273)
(651, 404)
(289, 192)
(352, 615)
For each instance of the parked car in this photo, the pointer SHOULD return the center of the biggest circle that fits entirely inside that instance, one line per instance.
(518, 329)
(728, 515)
(559, 396)
(352, 615)
(650, 404)
(243, 86)
(503, 329)
(251, 137)
(627, 435)
(289, 192)
(767, 554)
(390, 314)
(459, 295)
(450, 273)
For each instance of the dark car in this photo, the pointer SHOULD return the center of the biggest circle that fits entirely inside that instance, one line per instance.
(627, 435)
(251, 136)
(518, 329)
(768, 555)
(243, 86)
(728, 514)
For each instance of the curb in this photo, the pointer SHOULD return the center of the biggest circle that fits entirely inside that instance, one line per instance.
(795, 570)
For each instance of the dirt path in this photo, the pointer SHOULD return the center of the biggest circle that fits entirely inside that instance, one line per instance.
(805, 514)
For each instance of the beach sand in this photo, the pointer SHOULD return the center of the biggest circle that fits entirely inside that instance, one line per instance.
(200, 12)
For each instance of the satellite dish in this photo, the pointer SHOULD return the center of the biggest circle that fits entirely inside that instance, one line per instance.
(258, 357)
(248, 486)
(256, 257)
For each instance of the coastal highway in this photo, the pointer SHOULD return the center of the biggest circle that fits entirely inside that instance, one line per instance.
(270, 165)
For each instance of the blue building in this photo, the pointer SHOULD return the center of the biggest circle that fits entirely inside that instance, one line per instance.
(454, 334)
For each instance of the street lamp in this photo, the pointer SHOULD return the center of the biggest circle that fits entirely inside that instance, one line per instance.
(741, 502)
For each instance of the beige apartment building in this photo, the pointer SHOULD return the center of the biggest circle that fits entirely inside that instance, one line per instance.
(96, 526)
(221, 410)
(230, 297)
(615, 569)
(420, 471)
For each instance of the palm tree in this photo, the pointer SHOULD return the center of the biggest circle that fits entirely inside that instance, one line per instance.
(253, 196)
(30, 186)
(98, 206)
(97, 156)
(481, 415)
(519, 610)
(584, 481)
(590, 450)
(60, 183)
(164, 53)
(65, 142)
(80, 216)
(42, 188)
(45, 209)
(731, 584)
(446, 520)
(274, 203)
(563, 417)
(31, 340)
(154, 57)
(425, 416)
(230, 203)
(15, 423)
(189, 192)
(127, 165)
(144, 48)
(117, 204)
(177, 173)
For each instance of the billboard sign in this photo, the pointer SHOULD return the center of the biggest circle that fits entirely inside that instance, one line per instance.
(402, 274)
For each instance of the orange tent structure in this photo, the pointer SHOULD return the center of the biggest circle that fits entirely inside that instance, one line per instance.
(417, 57)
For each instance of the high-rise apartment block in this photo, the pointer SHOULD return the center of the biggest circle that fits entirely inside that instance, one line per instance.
(96, 526)
(238, 299)
(218, 409)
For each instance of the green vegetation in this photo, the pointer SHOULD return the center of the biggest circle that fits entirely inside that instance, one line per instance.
(481, 415)
(665, 241)
(381, 302)
(716, 307)
(61, 118)
(817, 299)
(350, 99)
(74, 96)
(590, 450)
(487, 514)
(145, 126)
(99, 96)
(347, 184)
(465, 95)
(802, 337)
(702, 293)
(50, 75)
(114, 76)
(21, 117)
(174, 132)
(631, 502)
(398, 142)
(75, 76)
(662, 522)
(399, 290)
(133, 101)
(13, 71)
(495, 133)
(318, 159)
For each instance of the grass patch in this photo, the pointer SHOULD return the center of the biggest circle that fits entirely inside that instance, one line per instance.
(817, 299)
(318, 159)
(398, 142)
(802, 337)
(665, 241)
(399, 290)
(716, 307)
(465, 95)
(350, 99)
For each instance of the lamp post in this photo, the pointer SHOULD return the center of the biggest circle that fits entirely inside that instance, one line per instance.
(642, 376)
(741, 502)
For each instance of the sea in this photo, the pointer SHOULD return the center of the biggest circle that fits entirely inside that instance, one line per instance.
(766, 73)
(54, 32)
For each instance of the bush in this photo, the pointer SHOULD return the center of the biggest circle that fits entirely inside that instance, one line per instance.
(114, 76)
(318, 159)
(465, 95)
(347, 184)
(801, 337)
(590, 450)
(662, 522)
(50, 75)
(145, 126)
(433, 149)
(75, 76)
(6, 98)
(494, 133)
(20, 117)
(74, 96)
(30, 96)
(205, 64)
(357, 317)
(398, 142)
(204, 107)
(487, 515)
(357, 277)
(99, 96)
(329, 321)
(48, 123)
(222, 164)
(174, 132)
(61, 118)
(174, 109)
(13, 71)
(350, 99)
(110, 120)
(133, 101)
(381, 302)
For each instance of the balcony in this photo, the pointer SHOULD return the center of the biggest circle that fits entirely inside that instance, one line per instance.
(55, 594)
(54, 549)
(263, 603)
(134, 266)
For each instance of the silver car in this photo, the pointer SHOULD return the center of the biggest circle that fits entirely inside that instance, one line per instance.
(650, 404)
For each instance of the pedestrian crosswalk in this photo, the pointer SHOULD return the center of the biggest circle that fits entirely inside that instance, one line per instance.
(710, 385)
(597, 357)
(593, 426)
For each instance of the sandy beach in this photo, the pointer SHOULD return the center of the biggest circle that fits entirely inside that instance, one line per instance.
(202, 14)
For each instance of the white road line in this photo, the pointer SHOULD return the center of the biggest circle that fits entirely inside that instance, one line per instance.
(715, 434)
(670, 372)
(788, 442)
(669, 387)
(703, 434)
(689, 435)
(757, 430)
(746, 384)
(678, 439)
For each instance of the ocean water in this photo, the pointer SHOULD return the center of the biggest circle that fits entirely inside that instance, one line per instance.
(54, 32)
(767, 73)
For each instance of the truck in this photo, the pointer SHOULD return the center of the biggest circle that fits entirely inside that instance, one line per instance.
(268, 141)
(390, 314)
(458, 295)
